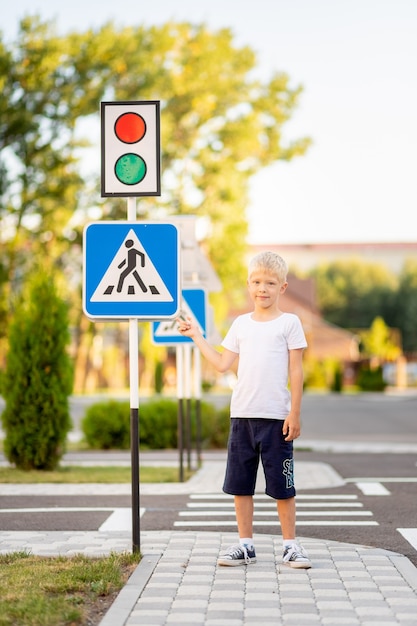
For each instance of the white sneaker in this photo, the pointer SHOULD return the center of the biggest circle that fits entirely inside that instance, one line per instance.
(295, 556)
(237, 555)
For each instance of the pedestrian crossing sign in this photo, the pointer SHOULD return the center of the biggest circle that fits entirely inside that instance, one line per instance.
(193, 304)
(131, 270)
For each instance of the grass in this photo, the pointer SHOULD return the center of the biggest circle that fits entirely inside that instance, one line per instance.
(60, 591)
(98, 474)
(67, 591)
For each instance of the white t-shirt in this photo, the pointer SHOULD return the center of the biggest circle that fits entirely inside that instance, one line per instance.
(262, 378)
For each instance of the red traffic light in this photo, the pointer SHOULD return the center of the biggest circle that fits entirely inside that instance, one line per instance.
(130, 127)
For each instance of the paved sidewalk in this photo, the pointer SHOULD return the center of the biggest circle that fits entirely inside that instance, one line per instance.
(178, 581)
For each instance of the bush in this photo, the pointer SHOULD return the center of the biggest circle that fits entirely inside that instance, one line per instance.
(371, 379)
(215, 427)
(337, 384)
(107, 425)
(315, 374)
(38, 377)
(159, 377)
(158, 424)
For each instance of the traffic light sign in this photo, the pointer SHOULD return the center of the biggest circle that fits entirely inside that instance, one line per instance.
(130, 149)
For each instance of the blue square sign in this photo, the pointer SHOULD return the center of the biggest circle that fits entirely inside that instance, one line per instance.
(194, 305)
(131, 270)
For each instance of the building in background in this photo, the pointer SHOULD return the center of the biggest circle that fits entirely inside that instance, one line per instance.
(305, 256)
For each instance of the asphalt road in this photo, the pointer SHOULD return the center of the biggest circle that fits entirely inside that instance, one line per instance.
(368, 417)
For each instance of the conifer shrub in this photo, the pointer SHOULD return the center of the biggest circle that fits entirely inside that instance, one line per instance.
(38, 377)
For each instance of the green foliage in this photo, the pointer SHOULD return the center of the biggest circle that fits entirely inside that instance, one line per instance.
(316, 374)
(371, 379)
(159, 377)
(216, 428)
(337, 384)
(377, 342)
(405, 311)
(38, 377)
(107, 425)
(220, 125)
(352, 293)
(158, 424)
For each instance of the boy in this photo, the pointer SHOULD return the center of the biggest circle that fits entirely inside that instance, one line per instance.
(265, 419)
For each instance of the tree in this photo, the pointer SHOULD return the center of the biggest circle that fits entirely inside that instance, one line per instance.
(378, 343)
(220, 125)
(40, 183)
(405, 312)
(38, 377)
(352, 293)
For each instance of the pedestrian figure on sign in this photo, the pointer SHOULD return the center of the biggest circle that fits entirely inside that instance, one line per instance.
(132, 259)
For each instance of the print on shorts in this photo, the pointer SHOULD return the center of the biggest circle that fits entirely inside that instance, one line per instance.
(288, 471)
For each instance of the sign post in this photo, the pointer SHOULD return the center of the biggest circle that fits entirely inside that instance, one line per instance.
(180, 412)
(194, 305)
(197, 396)
(131, 272)
(131, 269)
(134, 412)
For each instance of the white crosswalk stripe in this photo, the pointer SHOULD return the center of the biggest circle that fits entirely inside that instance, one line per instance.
(312, 510)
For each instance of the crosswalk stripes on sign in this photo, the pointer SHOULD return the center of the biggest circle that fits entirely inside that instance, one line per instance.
(217, 510)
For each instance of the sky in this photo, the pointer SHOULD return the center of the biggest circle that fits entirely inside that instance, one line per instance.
(357, 63)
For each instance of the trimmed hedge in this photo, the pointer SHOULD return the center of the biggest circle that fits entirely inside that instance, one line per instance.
(106, 425)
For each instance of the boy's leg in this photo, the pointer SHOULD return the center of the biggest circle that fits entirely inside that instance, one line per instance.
(244, 553)
(286, 514)
(244, 515)
(294, 555)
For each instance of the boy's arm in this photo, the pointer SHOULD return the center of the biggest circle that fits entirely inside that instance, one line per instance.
(221, 361)
(292, 425)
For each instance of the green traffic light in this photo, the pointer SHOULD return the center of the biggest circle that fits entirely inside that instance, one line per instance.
(130, 169)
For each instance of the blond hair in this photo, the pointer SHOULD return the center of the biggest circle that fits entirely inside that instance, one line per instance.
(269, 262)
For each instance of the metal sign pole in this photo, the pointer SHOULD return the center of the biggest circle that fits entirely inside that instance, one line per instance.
(134, 410)
(134, 430)
(197, 396)
(187, 368)
(180, 417)
(129, 175)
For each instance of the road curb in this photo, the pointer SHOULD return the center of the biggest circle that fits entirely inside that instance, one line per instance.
(406, 568)
(120, 610)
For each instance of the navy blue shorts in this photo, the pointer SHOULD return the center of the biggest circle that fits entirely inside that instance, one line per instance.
(251, 439)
